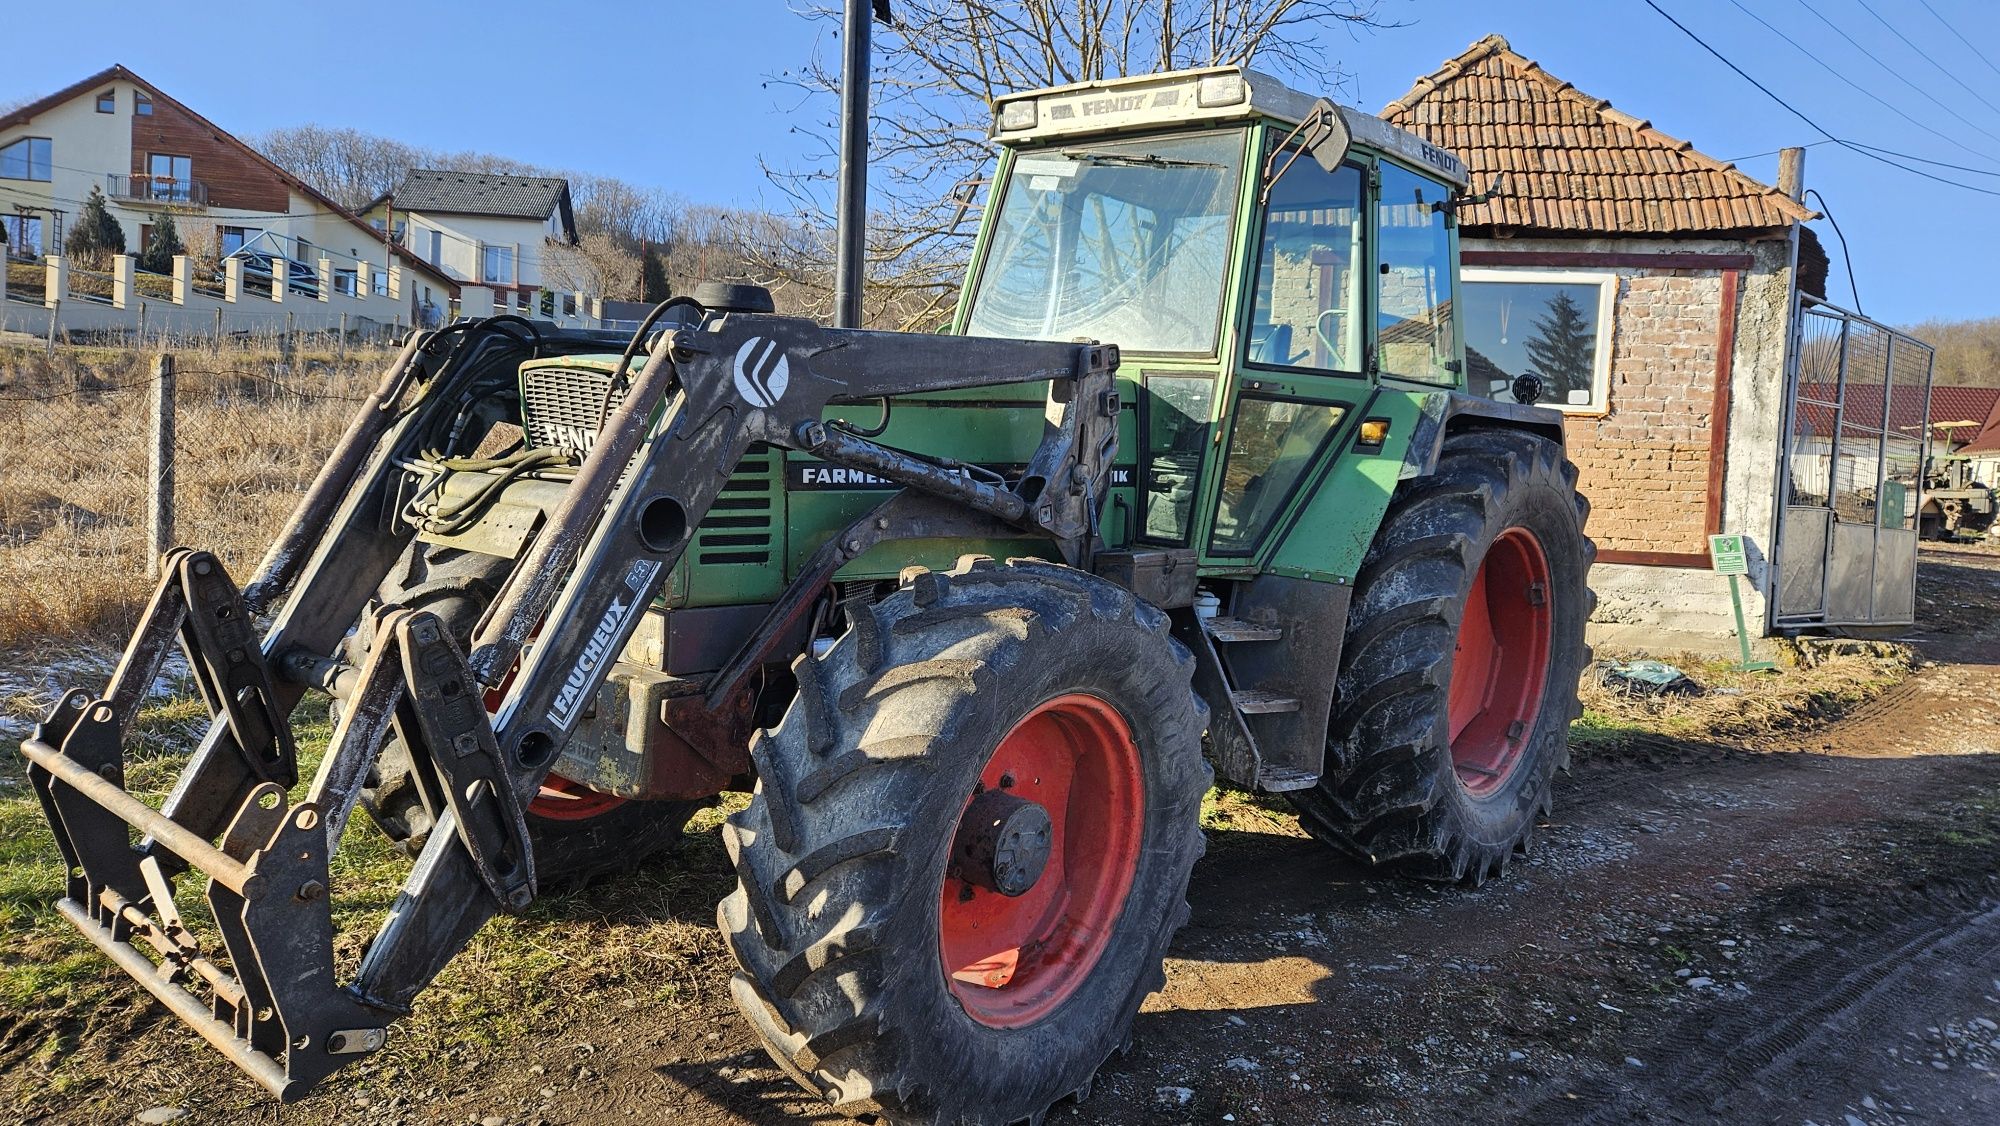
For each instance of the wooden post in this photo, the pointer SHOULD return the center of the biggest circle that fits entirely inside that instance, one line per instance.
(286, 345)
(55, 313)
(218, 324)
(160, 466)
(340, 342)
(1792, 173)
(142, 324)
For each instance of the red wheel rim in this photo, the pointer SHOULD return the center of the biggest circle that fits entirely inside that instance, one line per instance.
(560, 799)
(1501, 664)
(1011, 960)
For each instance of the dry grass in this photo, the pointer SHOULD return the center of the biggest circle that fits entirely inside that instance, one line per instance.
(1814, 683)
(250, 435)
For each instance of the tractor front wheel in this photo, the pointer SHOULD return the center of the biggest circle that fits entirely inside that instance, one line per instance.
(1458, 679)
(969, 845)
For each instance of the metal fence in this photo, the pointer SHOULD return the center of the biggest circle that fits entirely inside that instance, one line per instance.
(114, 454)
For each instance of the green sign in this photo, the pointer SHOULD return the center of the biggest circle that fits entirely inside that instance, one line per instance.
(1729, 554)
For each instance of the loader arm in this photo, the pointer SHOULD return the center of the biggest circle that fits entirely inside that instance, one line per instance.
(709, 391)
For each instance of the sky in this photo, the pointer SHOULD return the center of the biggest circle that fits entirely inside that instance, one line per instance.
(679, 94)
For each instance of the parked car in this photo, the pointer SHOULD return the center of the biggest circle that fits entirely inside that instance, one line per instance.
(299, 277)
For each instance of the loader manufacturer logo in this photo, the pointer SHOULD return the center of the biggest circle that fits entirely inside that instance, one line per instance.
(603, 639)
(762, 371)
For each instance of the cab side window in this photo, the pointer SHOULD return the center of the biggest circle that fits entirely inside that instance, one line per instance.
(1177, 428)
(1307, 310)
(1414, 287)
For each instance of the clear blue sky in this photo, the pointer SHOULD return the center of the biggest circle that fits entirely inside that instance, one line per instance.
(673, 93)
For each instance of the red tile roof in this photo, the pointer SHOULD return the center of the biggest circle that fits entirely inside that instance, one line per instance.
(1988, 439)
(1863, 407)
(1573, 164)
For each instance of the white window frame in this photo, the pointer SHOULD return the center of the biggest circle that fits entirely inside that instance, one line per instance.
(1607, 304)
(496, 255)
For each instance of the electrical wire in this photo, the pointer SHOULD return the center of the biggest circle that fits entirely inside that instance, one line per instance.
(1925, 55)
(1852, 290)
(1830, 69)
(1801, 115)
(1961, 36)
(1897, 74)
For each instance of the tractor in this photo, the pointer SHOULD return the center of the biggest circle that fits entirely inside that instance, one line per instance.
(1192, 487)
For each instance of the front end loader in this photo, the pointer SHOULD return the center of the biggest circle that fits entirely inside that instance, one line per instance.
(975, 617)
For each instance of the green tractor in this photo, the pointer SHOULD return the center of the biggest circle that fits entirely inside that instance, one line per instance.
(565, 587)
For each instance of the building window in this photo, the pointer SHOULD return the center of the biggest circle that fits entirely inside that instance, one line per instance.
(380, 282)
(142, 103)
(346, 282)
(25, 159)
(1553, 324)
(172, 176)
(23, 234)
(107, 102)
(496, 264)
(233, 238)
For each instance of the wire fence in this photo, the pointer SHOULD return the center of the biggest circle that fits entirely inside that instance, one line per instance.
(247, 430)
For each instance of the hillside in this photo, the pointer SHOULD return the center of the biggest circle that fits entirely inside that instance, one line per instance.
(1968, 352)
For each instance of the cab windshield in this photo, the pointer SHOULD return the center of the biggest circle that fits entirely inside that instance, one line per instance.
(1126, 242)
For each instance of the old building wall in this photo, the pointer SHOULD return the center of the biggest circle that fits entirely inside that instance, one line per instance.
(1660, 467)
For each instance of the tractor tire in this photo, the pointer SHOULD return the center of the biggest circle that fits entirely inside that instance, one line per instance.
(578, 835)
(896, 813)
(1458, 679)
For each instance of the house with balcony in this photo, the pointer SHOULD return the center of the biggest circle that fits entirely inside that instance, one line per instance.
(492, 234)
(151, 155)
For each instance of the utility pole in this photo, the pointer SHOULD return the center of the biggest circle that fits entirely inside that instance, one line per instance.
(1792, 173)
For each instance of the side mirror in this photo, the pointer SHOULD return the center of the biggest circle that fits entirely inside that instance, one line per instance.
(1329, 139)
(1323, 133)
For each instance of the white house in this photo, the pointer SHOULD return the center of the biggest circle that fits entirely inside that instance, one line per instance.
(489, 233)
(150, 155)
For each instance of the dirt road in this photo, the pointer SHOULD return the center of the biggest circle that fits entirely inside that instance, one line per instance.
(1792, 931)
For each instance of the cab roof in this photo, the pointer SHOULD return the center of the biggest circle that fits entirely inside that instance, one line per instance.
(1146, 103)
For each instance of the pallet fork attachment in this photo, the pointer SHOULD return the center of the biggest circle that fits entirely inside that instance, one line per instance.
(270, 998)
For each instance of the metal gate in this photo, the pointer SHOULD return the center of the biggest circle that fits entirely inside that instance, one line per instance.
(1857, 423)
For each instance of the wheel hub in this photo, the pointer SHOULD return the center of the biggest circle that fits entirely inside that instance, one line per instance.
(1002, 844)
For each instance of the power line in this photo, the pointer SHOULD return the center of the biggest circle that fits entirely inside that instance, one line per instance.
(1800, 114)
(1961, 37)
(1897, 74)
(1925, 55)
(1852, 290)
(1774, 152)
(1830, 69)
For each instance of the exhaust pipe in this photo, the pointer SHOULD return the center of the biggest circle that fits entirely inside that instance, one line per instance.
(851, 215)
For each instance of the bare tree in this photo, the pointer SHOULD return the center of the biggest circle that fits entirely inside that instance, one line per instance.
(938, 71)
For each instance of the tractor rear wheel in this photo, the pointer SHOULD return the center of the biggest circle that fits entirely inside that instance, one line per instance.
(577, 833)
(1458, 680)
(969, 845)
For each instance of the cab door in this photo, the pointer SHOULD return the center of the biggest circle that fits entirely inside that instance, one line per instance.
(1301, 374)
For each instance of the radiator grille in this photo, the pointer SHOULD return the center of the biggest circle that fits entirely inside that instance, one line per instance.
(560, 407)
(741, 525)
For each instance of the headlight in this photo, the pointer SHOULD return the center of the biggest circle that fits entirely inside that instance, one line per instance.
(1017, 115)
(1220, 90)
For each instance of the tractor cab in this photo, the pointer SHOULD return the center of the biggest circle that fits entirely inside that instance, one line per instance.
(1264, 261)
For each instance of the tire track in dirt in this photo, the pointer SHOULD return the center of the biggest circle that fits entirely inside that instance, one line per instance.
(1726, 1063)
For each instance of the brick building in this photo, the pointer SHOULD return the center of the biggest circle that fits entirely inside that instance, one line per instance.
(1651, 287)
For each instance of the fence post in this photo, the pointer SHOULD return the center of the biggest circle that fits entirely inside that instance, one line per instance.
(160, 466)
(218, 324)
(121, 281)
(56, 287)
(340, 342)
(142, 324)
(183, 278)
(55, 314)
(286, 345)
